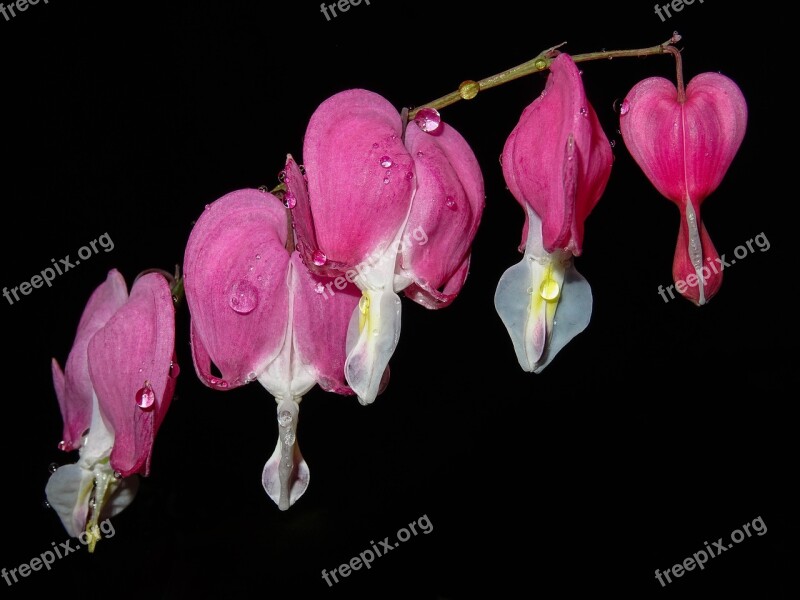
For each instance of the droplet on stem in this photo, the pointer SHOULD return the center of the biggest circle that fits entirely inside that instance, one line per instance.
(469, 89)
(428, 119)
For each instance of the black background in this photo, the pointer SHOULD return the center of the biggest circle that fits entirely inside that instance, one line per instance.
(660, 427)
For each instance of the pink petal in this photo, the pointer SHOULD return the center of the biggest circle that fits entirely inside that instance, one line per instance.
(74, 390)
(321, 319)
(360, 178)
(557, 159)
(444, 217)
(236, 266)
(685, 149)
(710, 278)
(132, 351)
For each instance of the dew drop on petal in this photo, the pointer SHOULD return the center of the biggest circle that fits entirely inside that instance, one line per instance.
(450, 202)
(318, 257)
(376, 145)
(409, 176)
(243, 297)
(284, 418)
(145, 397)
(385, 180)
(319, 288)
(52, 467)
(624, 107)
(419, 153)
(62, 445)
(386, 161)
(584, 111)
(208, 206)
(282, 176)
(549, 290)
(428, 119)
(289, 200)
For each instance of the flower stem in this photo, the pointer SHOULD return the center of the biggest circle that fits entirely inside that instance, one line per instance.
(469, 89)
(679, 73)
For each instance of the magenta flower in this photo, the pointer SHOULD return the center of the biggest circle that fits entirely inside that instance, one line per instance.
(556, 163)
(684, 143)
(389, 208)
(118, 384)
(258, 314)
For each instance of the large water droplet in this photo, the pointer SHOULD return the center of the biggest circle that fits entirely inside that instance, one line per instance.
(145, 397)
(428, 119)
(174, 369)
(284, 418)
(469, 89)
(289, 200)
(624, 107)
(386, 161)
(243, 297)
(52, 467)
(549, 290)
(318, 257)
(540, 64)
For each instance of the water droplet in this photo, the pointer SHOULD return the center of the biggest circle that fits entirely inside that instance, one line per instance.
(208, 206)
(52, 467)
(46, 504)
(375, 332)
(289, 200)
(282, 176)
(258, 257)
(386, 161)
(530, 290)
(450, 202)
(613, 143)
(284, 418)
(259, 278)
(419, 153)
(62, 445)
(302, 169)
(289, 438)
(469, 89)
(319, 288)
(540, 64)
(92, 503)
(584, 111)
(243, 297)
(318, 257)
(385, 180)
(376, 145)
(363, 305)
(580, 72)
(140, 369)
(409, 176)
(145, 397)
(428, 119)
(549, 290)
(624, 107)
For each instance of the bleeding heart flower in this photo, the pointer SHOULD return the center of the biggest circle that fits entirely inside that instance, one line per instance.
(391, 209)
(119, 381)
(258, 314)
(556, 163)
(684, 143)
